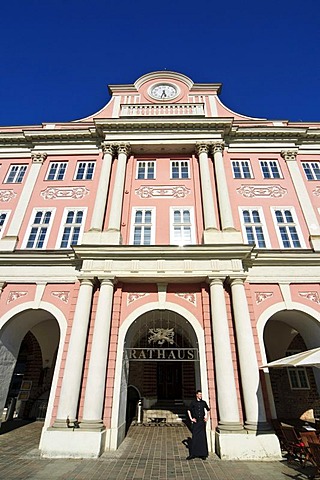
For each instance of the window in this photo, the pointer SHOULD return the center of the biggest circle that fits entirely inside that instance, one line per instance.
(298, 377)
(56, 170)
(85, 170)
(39, 229)
(270, 169)
(3, 221)
(16, 173)
(72, 228)
(241, 169)
(312, 170)
(253, 227)
(146, 170)
(143, 226)
(182, 231)
(180, 169)
(287, 228)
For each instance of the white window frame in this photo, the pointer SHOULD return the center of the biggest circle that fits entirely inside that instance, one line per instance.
(31, 225)
(5, 221)
(190, 225)
(294, 372)
(313, 168)
(242, 163)
(143, 225)
(85, 174)
(269, 165)
(21, 169)
(295, 224)
(146, 169)
(262, 224)
(64, 224)
(60, 166)
(180, 165)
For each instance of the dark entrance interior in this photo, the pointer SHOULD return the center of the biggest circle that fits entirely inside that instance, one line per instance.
(169, 380)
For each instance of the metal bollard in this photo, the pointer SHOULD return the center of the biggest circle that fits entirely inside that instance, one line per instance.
(140, 411)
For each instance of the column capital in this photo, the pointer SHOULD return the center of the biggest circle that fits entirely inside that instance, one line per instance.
(202, 147)
(38, 157)
(289, 155)
(123, 148)
(107, 281)
(217, 147)
(86, 281)
(107, 147)
(236, 280)
(216, 280)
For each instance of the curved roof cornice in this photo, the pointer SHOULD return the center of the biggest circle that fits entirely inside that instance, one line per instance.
(163, 73)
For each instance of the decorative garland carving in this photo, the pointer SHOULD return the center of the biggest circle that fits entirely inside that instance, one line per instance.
(189, 297)
(316, 192)
(7, 195)
(14, 295)
(175, 191)
(64, 192)
(132, 297)
(63, 296)
(262, 296)
(312, 296)
(274, 191)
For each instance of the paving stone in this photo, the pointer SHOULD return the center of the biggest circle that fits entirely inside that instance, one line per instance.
(146, 454)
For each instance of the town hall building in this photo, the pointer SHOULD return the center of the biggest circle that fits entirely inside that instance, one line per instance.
(160, 245)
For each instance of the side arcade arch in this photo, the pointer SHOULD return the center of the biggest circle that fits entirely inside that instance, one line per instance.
(279, 331)
(118, 420)
(38, 318)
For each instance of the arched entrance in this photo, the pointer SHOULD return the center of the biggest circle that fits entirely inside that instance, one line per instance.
(148, 360)
(29, 343)
(295, 391)
(162, 351)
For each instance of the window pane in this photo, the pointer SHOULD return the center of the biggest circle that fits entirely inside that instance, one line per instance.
(138, 217)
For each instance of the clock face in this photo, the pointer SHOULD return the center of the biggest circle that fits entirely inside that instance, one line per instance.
(164, 91)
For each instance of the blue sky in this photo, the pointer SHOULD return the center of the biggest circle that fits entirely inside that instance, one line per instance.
(58, 56)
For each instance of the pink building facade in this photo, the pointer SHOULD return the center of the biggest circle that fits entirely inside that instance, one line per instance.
(160, 245)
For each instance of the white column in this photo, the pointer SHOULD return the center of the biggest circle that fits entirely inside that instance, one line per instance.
(72, 376)
(117, 196)
(208, 202)
(290, 157)
(95, 387)
(249, 369)
(222, 187)
(103, 187)
(9, 241)
(229, 418)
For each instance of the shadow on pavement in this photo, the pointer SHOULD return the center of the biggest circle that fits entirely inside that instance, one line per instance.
(10, 425)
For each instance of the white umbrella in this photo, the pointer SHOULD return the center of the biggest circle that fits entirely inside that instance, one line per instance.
(309, 358)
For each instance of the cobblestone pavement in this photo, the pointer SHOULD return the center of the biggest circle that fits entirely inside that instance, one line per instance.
(148, 453)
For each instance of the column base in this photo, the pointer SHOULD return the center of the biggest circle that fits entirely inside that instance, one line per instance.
(257, 427)
(69, 443)
(8, 244)
(222, 237)
(247, 446)
(110, 237)
(229, 426)
(92, 425)
(315, 242)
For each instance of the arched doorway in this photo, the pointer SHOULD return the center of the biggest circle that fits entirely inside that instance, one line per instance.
(295, 391)
(162, 355)
(28, 350)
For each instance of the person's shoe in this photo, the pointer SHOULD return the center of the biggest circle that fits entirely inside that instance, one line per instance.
(191, 457)
(203, 458)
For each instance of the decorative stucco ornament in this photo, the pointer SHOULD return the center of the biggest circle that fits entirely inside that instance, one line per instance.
(161, 335)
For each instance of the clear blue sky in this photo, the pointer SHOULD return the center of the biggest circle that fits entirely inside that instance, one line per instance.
(58, 56)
